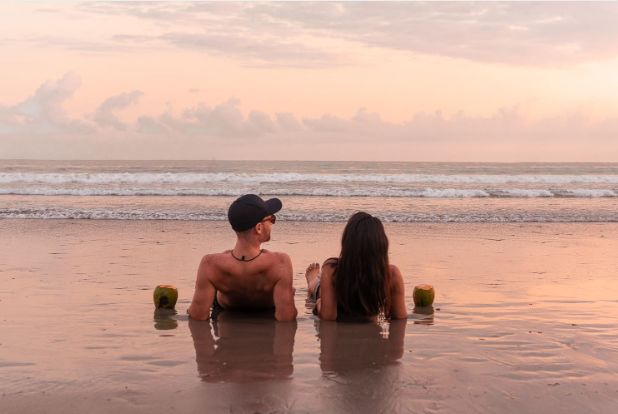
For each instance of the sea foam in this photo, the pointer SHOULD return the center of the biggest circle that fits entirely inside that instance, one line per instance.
(294, 216)
(195, 178)
(375, 191)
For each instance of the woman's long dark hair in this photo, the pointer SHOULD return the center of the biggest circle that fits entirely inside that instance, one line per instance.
(362, 272)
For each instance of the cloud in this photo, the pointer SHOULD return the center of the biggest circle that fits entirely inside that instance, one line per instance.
(43, 113)
(149, 125)
(104, 115)
(259, 122)
(266, 51)
(227, 30)
(284, 34)
(153, 11)
(39, 125)
(224, 120)
(507, 135)
(96, 47)
(537, 34)
(362, 124)
(286, 121)
(328, 123)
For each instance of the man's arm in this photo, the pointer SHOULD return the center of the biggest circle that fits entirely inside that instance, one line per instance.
(283, 294)
(204, 293)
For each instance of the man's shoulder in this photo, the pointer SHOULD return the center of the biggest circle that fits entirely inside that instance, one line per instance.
(274, 258)
(277, 256)
(214, 258)
(279, 264)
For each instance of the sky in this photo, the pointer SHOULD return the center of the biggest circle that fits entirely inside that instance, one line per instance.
(384, 81)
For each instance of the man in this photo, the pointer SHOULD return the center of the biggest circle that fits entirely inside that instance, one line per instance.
(247, 277)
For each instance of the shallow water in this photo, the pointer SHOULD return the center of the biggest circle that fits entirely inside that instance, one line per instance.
(312, 191)
(525, 320)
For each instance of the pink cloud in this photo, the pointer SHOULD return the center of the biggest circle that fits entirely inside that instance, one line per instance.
(42, 113)
(39, 124)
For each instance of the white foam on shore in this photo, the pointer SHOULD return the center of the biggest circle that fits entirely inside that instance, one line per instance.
(589, 193)
(523, 193)
(221, 215)
(193, 178)
(235, 192)
(377, 191)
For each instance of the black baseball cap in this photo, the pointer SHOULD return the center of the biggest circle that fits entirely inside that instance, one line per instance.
(249, 210)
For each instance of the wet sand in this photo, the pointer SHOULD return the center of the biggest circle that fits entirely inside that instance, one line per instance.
(525, 321)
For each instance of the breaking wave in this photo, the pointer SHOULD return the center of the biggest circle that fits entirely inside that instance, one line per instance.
(292, 216)
(197, 178)
(426, 192)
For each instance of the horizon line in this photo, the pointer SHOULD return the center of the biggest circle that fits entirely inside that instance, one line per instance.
(316, 161)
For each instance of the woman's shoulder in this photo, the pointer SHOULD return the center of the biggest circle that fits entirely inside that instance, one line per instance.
(396, 276)
(328, 267)
(394, 270)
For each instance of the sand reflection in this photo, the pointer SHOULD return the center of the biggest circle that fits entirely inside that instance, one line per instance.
(422, 315)
(163, 319)
(361, 363)
(347, 347)
(243, 348)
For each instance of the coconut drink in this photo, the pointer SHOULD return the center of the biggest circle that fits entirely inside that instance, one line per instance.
(165, 296)
(424, 295)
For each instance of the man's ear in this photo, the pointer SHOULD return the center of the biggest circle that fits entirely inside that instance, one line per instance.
(259, 228)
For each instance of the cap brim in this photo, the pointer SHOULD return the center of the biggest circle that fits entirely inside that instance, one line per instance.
(273, 206)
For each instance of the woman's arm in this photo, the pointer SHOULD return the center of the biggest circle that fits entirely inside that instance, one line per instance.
(327, 305)
(398, 295)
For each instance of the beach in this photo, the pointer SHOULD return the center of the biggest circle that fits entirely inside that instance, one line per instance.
(481, 136)
(525, 320)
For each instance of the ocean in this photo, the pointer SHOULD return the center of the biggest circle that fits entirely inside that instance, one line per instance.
(311, 191)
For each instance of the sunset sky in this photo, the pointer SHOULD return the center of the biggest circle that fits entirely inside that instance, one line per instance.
(309, 81)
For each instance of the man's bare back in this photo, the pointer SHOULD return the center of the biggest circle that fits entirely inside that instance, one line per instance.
(260, 284)
(247, 277)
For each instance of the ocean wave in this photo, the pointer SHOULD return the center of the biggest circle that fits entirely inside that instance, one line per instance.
(220, 215)
(377, 191)
(235, 192)
(197, 178)
(523, 193)
(589, 193)
(107, 214)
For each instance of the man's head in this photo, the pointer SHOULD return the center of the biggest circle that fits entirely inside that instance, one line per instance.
(251, 214)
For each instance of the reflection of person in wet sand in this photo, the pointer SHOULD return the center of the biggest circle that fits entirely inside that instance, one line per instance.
(347, 346)
(244, 348)
(360, 361)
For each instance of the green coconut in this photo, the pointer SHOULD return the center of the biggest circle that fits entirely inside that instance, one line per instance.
(424, 295)
(165, 296)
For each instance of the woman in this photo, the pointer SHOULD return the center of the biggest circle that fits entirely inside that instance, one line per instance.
(360, 283)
